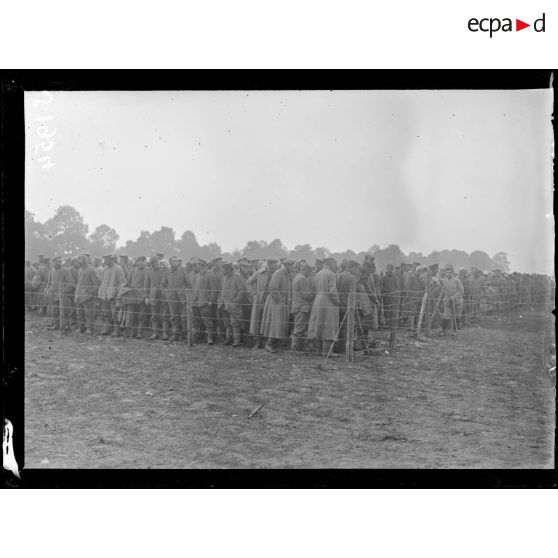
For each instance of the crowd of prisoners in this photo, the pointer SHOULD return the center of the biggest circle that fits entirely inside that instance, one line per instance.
(269, 303)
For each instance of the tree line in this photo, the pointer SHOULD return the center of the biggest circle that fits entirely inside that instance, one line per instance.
(66, 234)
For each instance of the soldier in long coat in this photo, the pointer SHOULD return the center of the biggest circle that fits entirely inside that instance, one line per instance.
(41, 280)
(202, 300)
(275, 317)
(258, 284)
(245, 271)
(29, 290)
(303, 296)
(113, 279)
(232, 297)
(155, 299)
(346, 289)
(136, 282)
(175, 286)
(391, 295)
(60, 289)
(85, 296)
(324, 316)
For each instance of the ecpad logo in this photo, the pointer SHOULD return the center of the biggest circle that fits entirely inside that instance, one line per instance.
(493, 25)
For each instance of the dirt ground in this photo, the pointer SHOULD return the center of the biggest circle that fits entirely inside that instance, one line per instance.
(483, 400)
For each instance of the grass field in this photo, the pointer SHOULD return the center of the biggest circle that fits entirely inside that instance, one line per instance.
(483, 400)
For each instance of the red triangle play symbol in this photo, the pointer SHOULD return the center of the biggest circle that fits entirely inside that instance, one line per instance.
(519, 25)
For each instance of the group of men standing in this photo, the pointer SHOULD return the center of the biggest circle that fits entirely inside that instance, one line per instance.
(324, 307)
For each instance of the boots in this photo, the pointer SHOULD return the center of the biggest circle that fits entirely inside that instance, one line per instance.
(116, 332)
(165, 336)
(258, 343)
(270, 346)
(236, 336)
(296, 344)
(228, 336)
(445, 324)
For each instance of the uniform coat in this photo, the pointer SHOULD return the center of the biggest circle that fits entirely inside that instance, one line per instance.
(324, 316)
(258, 283)
(275, 317)
(391, 293)
(87, 285)
(113, 278)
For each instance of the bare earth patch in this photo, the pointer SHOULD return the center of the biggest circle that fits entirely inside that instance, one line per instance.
(483, 400)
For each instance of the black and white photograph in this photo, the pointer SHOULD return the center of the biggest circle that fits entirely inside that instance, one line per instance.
(289, 279)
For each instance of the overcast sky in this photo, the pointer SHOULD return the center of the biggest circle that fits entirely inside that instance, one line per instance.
(427, 170)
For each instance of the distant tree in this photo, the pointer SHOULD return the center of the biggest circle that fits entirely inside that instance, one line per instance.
(501, 262)
(188, 246)
(103, 240)
(67, 232)
(164, 241)
(37, 240)
(390, 255)
(275, 249)
(302, 252)
(481, 260)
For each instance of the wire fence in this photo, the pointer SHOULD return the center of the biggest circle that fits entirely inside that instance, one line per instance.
(399, 309)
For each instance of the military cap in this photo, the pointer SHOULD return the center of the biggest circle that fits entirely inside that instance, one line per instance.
(254, 262)
(153, 259)
(201, 262)
(216, 260)
(449, 267)
(272, 260)
(434, 268)
(244, 260)
(422, 268)
(141, 259)
(160, 255)
(57, 258)
(46, 259)
(109, 256)
(329, 260)
(123, 257)
(288, 261)
(227, 266)
(416, 263)
(318, 261)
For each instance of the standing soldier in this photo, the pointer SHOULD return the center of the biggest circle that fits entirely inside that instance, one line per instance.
(124, 263)
(59, 289)
(175, 287)
(85, 296)
(202, 300)
(303, 296)
(346, 289)
(275, 317)
(391, 294)
(259, 284)
(324, 316)
(113, 279)
(41, 280)
(232, 298)
(155, 299)
(136, 282)
(453, 300)
(29, 291)
(245, 270)
(215, 277)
